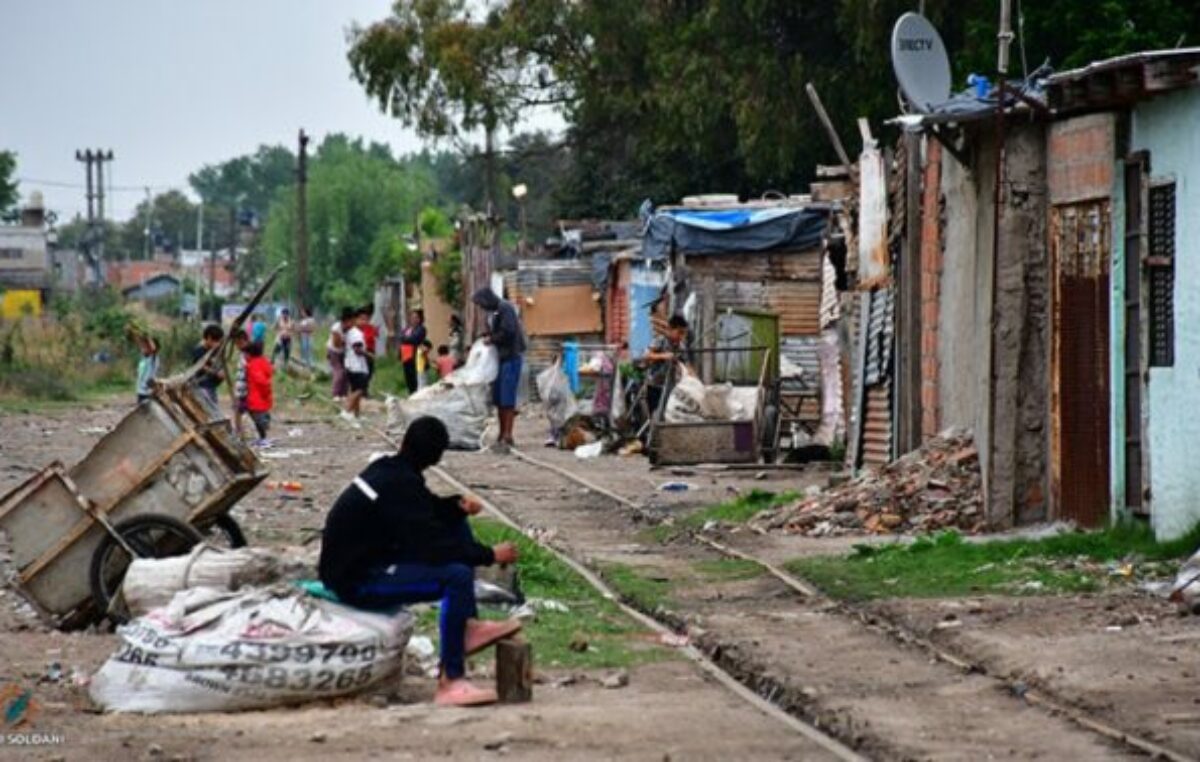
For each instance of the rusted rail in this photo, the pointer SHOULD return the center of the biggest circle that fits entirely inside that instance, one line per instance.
(1049, 704)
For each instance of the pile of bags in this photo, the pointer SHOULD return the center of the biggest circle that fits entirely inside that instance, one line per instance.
(693, 402)
(462, 400)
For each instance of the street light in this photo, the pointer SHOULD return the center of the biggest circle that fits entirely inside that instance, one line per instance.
(519, 192)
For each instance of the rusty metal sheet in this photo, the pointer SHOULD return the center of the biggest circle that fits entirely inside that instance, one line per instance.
(681, 444)
(872, 218)
(1080, 362)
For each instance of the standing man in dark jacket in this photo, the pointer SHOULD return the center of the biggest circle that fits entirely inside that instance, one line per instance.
(508, 337)
(389, 541)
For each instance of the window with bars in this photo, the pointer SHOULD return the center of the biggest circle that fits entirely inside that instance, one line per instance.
(1160, 274)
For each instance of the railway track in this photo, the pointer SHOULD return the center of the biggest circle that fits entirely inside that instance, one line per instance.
(708, 665)
(1017, 692)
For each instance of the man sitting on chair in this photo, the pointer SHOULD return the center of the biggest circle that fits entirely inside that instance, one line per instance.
(389, 541)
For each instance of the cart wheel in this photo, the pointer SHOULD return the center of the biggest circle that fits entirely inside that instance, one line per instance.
(151, 535)
(225, 533)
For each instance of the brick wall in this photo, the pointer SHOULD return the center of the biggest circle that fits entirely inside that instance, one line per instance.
(1082, 152)
(931, 271)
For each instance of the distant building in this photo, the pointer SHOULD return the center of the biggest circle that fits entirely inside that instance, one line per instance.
(26, 274)
(153, 289)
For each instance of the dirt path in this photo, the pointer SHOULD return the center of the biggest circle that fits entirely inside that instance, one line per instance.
(669, 710)
(890, 701)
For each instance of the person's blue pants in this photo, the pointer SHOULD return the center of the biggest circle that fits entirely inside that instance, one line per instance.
(452, 584)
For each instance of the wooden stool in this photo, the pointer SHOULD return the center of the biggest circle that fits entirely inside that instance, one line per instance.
(514, 670)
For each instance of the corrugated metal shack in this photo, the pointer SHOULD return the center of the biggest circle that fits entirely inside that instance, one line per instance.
(557, 301)
(724, 256)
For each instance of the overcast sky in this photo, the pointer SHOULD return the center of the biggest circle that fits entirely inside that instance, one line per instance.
(170, 85)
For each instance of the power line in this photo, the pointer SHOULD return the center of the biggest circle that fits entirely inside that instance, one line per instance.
(109, 187)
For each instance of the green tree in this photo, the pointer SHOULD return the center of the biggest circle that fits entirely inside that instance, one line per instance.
(360, 200)
(8, 185)
(446, 74)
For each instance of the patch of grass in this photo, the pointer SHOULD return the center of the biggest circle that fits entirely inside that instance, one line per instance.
(728, 569)
(613, 639)
(643, 592)
(948, 566)
(741, 509)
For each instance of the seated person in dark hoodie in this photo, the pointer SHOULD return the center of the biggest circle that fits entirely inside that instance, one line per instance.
(389, 541)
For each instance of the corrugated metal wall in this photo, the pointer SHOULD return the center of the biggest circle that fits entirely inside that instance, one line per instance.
(787, 283)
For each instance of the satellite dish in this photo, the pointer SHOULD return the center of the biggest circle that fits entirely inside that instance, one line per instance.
(920, 62)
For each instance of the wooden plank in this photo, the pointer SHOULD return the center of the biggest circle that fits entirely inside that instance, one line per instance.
(562, 310)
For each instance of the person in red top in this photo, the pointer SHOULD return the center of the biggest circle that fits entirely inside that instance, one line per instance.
(445, 361)
(370, 333)
(260, 397)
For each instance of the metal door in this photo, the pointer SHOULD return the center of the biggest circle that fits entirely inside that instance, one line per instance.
(1080, 240)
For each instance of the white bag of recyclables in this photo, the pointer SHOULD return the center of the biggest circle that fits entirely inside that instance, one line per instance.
(213, 650)
(462, 401)
(555, 390)
(152, 582)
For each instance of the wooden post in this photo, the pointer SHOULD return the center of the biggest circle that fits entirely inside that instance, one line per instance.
(514, 671)
(708, 328)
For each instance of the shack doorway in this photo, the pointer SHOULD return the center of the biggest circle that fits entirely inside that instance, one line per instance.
(1081, 246)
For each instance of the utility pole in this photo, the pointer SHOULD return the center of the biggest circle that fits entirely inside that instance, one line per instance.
(233, 244)
(94, 240)
(302, 223)
(100, 158)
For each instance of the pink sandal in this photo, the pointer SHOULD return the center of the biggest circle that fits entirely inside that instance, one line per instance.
(482, 633)
(462, 693)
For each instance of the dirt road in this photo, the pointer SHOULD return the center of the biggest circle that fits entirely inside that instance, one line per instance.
(669, 710)
(1123, 658)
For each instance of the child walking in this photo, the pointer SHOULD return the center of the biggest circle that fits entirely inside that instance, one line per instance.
(259, 395)
(147, 368)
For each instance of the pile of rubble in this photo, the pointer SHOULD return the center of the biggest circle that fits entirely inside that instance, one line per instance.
(934, 488)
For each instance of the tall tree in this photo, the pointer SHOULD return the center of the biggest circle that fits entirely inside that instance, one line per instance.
(360, 199)
(8, 185)
(432, 65)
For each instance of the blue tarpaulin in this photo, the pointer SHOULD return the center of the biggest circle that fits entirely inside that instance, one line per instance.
(696, 232)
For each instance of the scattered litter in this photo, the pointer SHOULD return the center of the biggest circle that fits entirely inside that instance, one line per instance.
(54, 673)
(674, 487)
(949, 624)
(285, 486)
(284, 453)
(672, 640)
(633, 448)
(499, 743)
(293, 433)
(548, 604)
(489, 592)
(618, 679)
(1120, 570)
(579, 643)
(1114, 628)
(1185, 592)
(94, 430)
(934, 488)
(587, 451)
(421, 652)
